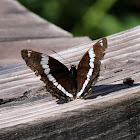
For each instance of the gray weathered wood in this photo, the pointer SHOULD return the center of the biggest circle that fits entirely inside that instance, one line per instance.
(17, 23)
(114, 114)
(46, 45)
(100, 119)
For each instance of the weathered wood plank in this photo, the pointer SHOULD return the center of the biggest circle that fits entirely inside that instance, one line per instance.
(108, 118)
(114, 62)
(10, 56)
(29, 25)
(114, 114)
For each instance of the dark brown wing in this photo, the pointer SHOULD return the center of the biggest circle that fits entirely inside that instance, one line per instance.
(89, 67)
(53, 73)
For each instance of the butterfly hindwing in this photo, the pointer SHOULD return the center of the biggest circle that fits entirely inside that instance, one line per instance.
(53, 73)
(89, 67)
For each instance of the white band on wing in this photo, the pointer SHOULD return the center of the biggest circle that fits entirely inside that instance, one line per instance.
(44, 62)
(89, 74)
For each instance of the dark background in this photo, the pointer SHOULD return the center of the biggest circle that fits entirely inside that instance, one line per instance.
(93, 18)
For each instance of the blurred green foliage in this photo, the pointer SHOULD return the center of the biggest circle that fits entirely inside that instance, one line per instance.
(93, 18)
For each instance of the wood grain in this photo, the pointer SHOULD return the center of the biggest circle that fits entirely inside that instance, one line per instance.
(46, 45)
(22, 24)
(117, 104)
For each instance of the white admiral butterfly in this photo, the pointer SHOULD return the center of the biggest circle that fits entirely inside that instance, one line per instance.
(64, 83)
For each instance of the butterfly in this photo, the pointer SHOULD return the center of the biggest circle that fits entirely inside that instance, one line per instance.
(67, 84)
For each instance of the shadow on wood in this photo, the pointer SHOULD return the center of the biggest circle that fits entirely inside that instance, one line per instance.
(103, 90)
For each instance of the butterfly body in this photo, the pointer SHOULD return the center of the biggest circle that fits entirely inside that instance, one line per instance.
(64, 83)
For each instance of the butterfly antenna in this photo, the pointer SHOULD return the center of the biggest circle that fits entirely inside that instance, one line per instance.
(61, 56)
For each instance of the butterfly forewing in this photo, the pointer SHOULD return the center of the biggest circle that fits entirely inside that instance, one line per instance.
(53, 73)
(89, 67)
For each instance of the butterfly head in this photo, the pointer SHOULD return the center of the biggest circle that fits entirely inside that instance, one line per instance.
(73, 71)
(73, 67)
